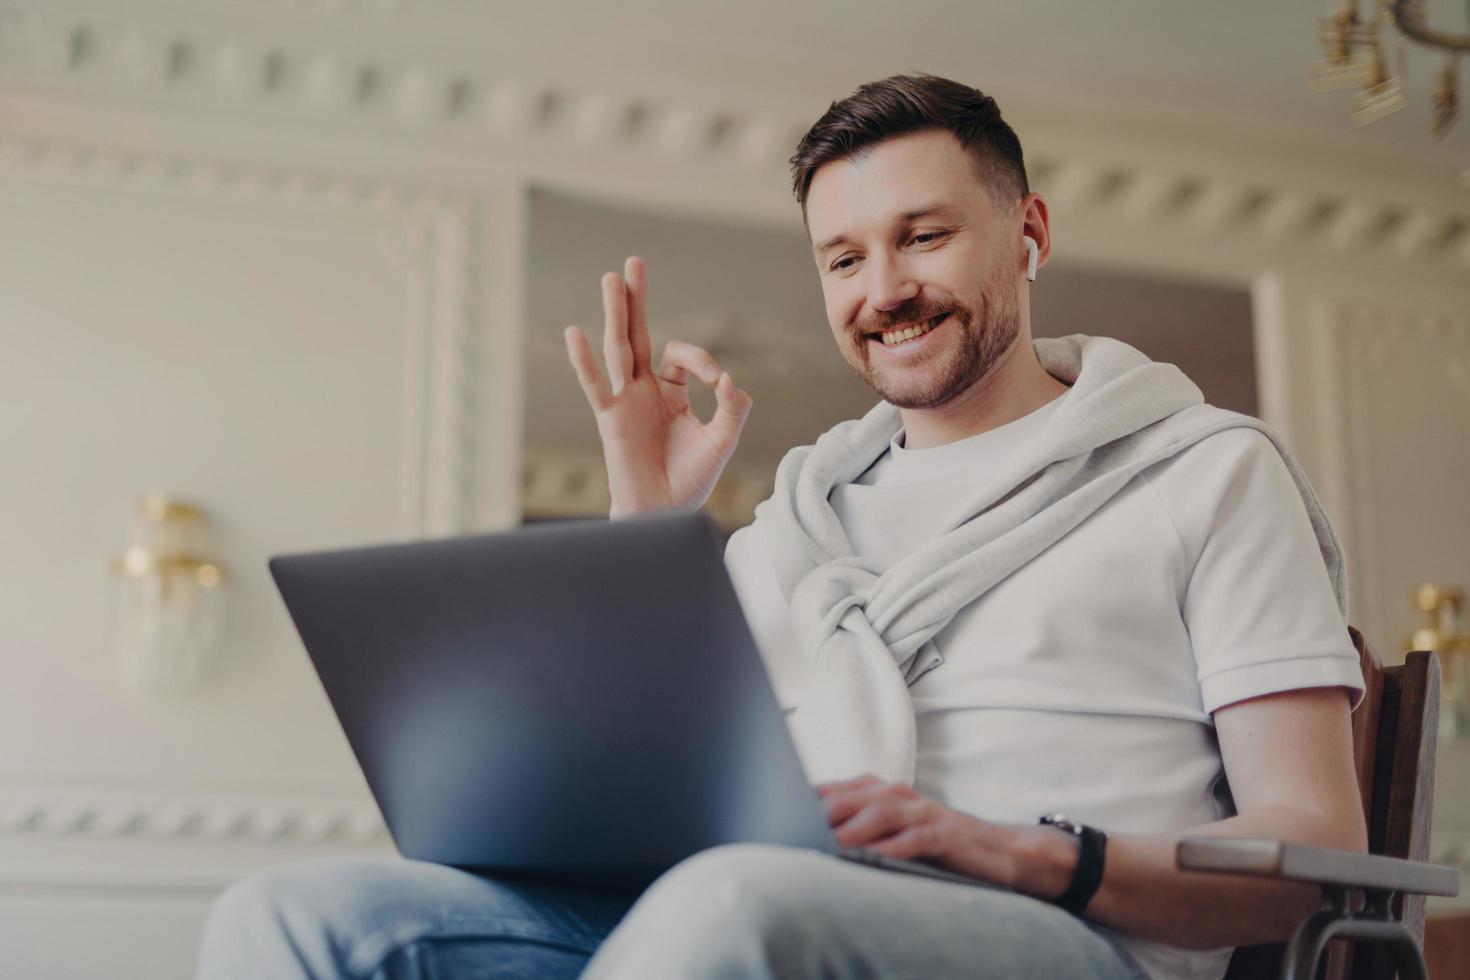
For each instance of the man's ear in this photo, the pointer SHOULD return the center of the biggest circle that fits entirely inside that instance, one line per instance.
(1035, 228)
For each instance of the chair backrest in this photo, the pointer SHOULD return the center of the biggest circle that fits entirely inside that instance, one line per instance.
(1394, 733)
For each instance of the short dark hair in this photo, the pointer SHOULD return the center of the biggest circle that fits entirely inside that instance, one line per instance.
(903, 104)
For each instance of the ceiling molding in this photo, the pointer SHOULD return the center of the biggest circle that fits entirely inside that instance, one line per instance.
(89, 55)
(85, 56)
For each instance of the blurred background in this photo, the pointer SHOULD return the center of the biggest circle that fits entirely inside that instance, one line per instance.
(278, 275)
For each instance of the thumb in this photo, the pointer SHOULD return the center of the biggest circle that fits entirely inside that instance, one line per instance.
(731, 407)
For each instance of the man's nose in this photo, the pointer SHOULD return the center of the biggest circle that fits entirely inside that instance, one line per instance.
(891, 283)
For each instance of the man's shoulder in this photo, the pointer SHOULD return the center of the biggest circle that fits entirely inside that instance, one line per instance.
(1236, 468)
(1244, 443)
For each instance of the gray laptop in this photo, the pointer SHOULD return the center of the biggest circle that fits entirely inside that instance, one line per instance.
(578, 700)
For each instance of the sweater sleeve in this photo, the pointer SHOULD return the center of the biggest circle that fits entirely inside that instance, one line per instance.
(767, 613)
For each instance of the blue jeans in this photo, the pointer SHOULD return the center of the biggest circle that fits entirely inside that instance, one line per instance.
(740, 912)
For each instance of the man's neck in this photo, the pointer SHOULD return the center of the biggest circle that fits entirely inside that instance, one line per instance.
(1017, 386)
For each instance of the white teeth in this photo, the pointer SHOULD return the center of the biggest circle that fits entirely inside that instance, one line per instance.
(908, 333)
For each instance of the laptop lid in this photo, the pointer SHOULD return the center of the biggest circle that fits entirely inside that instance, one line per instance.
(570, 698)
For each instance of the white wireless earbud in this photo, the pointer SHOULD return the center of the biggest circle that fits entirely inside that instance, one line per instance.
(1031, 251)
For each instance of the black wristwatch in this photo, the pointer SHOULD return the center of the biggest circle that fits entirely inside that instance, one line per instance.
(1092, 845)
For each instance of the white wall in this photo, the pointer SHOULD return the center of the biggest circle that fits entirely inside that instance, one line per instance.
(297, 364)
(302, 305)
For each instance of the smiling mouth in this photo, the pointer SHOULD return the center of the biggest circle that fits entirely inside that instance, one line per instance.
(893, 338)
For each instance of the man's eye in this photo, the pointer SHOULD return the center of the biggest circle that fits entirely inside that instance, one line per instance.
(925, 237)
(843, 263)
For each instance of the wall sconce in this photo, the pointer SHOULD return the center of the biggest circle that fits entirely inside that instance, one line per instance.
(167, 606)
(1444, 633)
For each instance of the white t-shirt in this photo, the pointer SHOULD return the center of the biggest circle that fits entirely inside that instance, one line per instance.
(1083, 683)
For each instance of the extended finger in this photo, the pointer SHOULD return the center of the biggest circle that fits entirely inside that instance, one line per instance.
(594, 385)
(682, 359)
(731, 407)
(635, 271)
(615, 347)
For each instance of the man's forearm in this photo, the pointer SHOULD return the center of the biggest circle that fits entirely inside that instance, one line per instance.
(1143, 893)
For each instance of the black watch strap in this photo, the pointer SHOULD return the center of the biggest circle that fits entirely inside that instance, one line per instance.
(1092, 847)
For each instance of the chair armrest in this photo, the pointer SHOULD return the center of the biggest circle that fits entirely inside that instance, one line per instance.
(1318, 865)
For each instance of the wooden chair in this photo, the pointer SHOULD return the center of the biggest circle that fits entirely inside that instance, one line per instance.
(1394, 732)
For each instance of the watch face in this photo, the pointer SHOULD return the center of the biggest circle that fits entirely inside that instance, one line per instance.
(1062, 823)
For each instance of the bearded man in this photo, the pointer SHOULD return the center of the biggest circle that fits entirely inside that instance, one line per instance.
(1038, 577)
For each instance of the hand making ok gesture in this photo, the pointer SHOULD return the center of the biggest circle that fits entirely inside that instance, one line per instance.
(659, 455)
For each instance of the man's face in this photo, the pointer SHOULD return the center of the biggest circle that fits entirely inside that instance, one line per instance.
(906, 237)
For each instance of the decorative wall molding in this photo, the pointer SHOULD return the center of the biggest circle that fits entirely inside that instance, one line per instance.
(88, 56)
(452, 373)
(432, 231)
(1354, 344)
(123, 818)
(217, 180)
(83, 54)
(439, 251)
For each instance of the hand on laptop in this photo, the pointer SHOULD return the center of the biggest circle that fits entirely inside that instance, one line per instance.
(659, 455)
(898, 821)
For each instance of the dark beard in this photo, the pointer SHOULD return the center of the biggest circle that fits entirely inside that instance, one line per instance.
(981, 348)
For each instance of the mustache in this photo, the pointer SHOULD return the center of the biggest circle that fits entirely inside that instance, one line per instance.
(913, 311)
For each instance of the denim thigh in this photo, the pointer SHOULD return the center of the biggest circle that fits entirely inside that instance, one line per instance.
(389, 919)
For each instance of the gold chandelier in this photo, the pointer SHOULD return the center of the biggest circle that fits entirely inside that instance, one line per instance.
(1356, 59)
